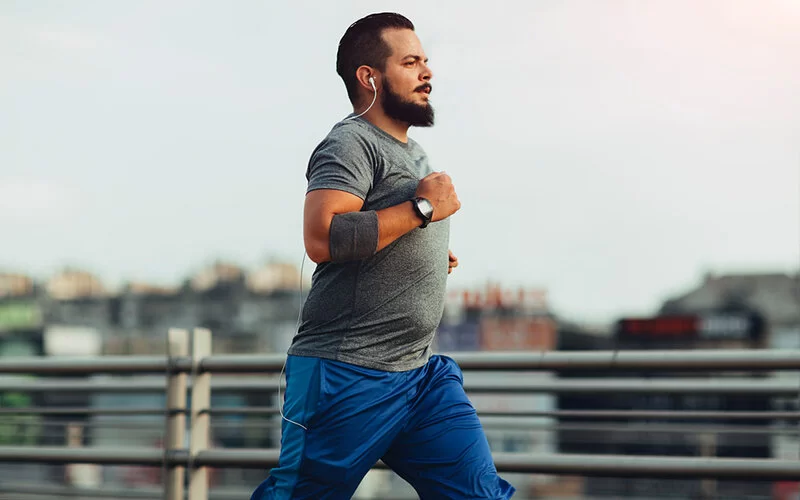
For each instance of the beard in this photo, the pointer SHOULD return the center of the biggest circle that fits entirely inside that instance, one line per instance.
(395, 107)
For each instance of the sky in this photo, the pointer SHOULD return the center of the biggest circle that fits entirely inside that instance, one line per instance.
(610, 152)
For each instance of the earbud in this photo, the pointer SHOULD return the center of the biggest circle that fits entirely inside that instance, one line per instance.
(372, 82)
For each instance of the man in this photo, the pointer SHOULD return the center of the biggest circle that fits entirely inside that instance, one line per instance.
(362, 384)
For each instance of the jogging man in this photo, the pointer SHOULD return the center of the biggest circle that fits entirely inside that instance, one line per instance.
(362, 383)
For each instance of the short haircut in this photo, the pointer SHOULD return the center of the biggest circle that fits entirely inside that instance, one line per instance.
(362, 44)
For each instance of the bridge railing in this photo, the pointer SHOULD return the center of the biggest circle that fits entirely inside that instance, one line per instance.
(189, 365)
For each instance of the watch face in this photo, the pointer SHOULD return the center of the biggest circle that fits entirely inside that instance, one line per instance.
(426, 207)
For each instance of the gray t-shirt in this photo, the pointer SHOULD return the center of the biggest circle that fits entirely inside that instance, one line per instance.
(380, 312)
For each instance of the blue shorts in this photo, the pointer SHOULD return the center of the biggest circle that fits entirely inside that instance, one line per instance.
(419, 422)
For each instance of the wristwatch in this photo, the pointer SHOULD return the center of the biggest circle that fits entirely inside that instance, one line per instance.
(424, 209)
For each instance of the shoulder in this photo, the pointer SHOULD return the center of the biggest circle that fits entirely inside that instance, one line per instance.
(352, 131)
(349, 137)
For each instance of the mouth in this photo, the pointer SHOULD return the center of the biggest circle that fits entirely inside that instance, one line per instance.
(424, 89)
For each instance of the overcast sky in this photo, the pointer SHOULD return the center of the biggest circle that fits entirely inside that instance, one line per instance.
(610, 151)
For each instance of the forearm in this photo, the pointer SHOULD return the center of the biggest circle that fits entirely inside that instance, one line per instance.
(336, 228)
(394, 222)
(359, 234)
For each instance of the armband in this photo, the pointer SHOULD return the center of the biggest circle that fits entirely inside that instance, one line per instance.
(354, 236)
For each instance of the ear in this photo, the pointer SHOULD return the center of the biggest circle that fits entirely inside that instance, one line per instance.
(363, 75)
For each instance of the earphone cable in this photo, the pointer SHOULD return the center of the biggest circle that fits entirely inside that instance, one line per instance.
(297, 329)
(374, 98)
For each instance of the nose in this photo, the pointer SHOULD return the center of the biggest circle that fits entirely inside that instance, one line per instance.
(426, 74)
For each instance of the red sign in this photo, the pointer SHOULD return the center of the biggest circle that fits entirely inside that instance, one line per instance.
(729, 326)
(786, 490)
(676, 326)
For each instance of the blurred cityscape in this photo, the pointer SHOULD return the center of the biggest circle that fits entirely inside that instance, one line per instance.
(255, 311)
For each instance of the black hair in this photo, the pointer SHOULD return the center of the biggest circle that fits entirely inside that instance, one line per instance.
(362, 44)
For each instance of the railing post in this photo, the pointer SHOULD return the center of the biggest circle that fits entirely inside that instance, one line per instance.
(177, 345)
(201, 403)
(81, 475)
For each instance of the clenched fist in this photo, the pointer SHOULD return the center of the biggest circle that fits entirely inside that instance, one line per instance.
(439, 190)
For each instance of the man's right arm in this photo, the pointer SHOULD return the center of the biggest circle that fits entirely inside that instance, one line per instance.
(322, 205)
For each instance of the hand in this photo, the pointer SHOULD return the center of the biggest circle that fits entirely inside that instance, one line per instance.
(438, 189)
(452, 262)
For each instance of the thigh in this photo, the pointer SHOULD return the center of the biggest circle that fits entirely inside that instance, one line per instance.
(350, 415)
(443, 451)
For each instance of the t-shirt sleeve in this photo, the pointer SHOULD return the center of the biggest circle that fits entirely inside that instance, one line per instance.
(343, 162)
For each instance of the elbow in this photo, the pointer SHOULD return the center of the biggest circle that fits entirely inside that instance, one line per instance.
(315, 239)
(318, 251)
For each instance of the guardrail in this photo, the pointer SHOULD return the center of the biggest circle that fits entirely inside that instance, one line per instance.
(182, 364)
(574, 361)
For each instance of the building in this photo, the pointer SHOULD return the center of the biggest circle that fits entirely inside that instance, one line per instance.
(737, 311)
(16, 285)
(776, 296)
(74, 283)
(248, 311)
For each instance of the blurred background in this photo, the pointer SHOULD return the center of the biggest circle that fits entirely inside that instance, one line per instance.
(629, 173)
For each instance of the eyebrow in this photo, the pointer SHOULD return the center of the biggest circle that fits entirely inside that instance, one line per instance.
(415, 58)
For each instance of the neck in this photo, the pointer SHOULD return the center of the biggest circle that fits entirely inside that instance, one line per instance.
(395, 128)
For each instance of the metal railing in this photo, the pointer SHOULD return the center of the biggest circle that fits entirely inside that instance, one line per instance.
(575, 361)
(188, 367)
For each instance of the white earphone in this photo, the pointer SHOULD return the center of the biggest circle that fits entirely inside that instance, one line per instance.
(374, 98)
(300, 313)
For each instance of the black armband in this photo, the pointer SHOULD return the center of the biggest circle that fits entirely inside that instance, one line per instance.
(354, 236)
